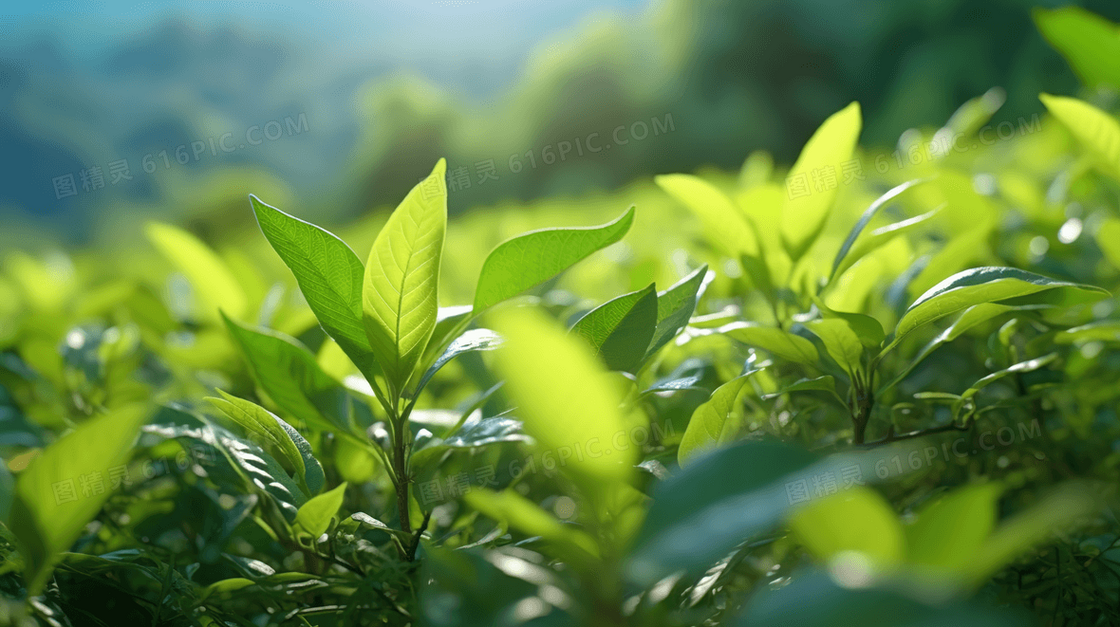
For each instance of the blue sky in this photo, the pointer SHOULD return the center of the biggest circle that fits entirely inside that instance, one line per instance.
(404, 27)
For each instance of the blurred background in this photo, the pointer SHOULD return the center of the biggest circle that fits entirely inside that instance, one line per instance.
(112, 113)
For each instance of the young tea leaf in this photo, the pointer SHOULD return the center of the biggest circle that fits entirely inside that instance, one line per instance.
(709, 425)
(329, 274)
(210, 277)
(804, 216)
(400, 298)
(976, 286)
(532, 258)
(676, 305)
(564, 396)
(49, 510)
(315, 515)
(620, 330)
(1098, 131)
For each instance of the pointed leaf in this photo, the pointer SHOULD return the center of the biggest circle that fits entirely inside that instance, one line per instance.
(676, 305)
(840, 341)
(620, 330)
(210, 277)
(1097, 131)
(781, 343)
(830, 146)
(315, 515)
(1090, 43)
(49, 510)
(976, 286)
(329, 274)
(723, 221)
(291, 376)
(564, 396)
(864, 219)
(400, 298)
(532, 258)
(274, 431)
(708, 425)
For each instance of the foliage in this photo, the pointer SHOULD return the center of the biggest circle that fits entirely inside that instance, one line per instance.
(889, 401)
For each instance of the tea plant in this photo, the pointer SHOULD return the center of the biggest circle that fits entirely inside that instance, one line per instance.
(888, 400)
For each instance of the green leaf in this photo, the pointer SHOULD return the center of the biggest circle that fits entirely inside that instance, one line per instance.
(50, 507)
(474, 433)
(210, 277)
(827, 383)
(532, 258)
(804, 216)
(564, 396)
(868, 329)
(400, 298)
(976, 286)
(473, 340)
(620, 330)
(1029, 365)
(857, 519)
(315, 515)
(776, 341)
(702, 513)
(845, 597)
(709, 425)
(1108, 239)
(257, 469)
(870, 213)
(1102, 331)
(1090, 43)
(1097, 131)
(676, 305)
(329, 274)
(948, 531)
(971, 317)
(880, 237)
(291, 376)
(1054, 513)
(527, 517)
(726, 225)
(281, 435)
(841, 342)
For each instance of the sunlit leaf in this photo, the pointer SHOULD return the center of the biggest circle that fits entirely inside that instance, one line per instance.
(709, 423)
(329, 274)
(976, 286)
(620, 330)
(400, 296)
(271, 429)
(532, 258)
(50, 508)
(564, 396)
(725, 224)
(315, 515)
(211, 279)
(804, 215)
(781, 343)
(1097, 131)
(856, 519)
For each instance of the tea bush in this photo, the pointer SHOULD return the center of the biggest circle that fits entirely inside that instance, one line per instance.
(877, 388)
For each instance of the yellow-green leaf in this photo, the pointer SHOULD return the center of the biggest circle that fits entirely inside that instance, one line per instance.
(400, 297)
(857, 519)
(315, 515)
(564, 396)
(804, 214)
(1097, 131)
(211, 278)
(66, 485)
